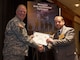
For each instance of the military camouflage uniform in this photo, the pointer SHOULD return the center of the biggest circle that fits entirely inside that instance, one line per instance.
(16, 40)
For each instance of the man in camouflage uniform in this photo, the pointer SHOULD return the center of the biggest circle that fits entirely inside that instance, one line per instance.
(16, 38)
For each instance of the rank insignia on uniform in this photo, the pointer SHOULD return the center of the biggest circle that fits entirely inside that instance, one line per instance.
(20, 25)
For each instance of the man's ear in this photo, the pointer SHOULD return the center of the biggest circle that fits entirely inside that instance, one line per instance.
(63, 22)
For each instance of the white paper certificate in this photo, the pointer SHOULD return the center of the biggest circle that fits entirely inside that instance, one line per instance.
(40, 38)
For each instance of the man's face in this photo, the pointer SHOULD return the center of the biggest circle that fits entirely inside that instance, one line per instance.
(59, 23)
(21, 12)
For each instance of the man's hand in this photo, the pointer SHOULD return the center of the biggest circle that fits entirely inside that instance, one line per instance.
(31, 37)
(40, 48)
(49, 40)
(49, 43)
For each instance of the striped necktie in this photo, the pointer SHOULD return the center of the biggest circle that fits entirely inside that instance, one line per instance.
(56, 36)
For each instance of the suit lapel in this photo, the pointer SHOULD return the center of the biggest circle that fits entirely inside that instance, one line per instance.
(56, 36)
(60, 35)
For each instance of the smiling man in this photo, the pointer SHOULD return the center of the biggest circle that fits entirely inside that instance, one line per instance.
(16, 40)
(63, 42)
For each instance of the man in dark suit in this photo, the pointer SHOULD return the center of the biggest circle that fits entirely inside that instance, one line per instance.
(63, 42)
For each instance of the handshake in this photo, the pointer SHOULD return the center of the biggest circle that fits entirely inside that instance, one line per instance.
(41, 40)
(41, 48)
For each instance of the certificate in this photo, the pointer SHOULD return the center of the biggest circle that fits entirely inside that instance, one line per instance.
(40, 38)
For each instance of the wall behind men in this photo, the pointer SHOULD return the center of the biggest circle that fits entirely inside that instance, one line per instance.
(0, 29)
(77, 31)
